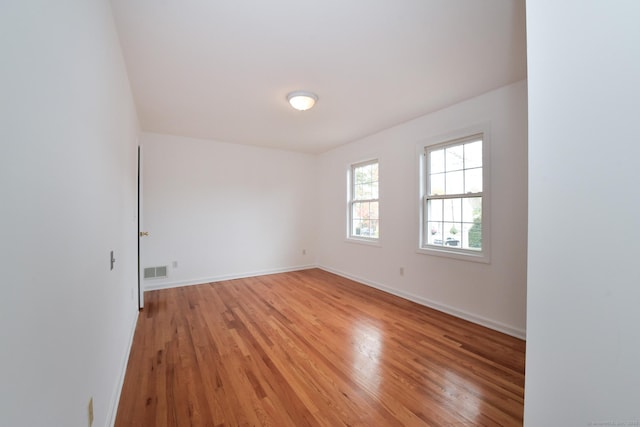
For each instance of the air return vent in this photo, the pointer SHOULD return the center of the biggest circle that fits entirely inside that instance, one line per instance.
(155, 272)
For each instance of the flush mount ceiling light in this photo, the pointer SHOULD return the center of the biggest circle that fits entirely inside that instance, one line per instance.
(301, 100)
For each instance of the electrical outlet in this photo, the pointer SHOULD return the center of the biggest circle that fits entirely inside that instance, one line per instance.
(304, 252)
(402, 271)
(174, 264)
(90, 412)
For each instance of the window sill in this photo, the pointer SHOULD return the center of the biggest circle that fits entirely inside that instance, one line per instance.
(366, 242)
(456, 254)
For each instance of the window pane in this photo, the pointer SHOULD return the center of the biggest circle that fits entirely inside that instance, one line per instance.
(434, 210)
(452, 210)
(471, 209)
(454, 156)
(366, 191)
(437, 161)
(363, 230)
(473, 154)
(473, 180)
(361, 174)
(434, 233)
(452, 234)
(473, 233)
(356, 226)
(454, 182)
(374, 172)
(365, 174)
(373, 210)
(365, 182)
(360, 211)
(356, 211)
(373, 228)
(437, 185)
(365, 219)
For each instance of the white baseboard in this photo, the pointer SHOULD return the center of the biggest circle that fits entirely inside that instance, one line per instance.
(113, 407)
(190, 282)
(491, 324)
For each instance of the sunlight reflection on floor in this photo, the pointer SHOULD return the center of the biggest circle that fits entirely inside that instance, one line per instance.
(367, 353)
(462, 389)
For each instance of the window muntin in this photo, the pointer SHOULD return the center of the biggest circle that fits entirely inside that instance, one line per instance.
(364, 215)
(453, 201)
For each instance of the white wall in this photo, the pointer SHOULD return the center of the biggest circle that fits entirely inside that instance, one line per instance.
(583, 334)
(493, 294)
(225, 210)
(68, 197)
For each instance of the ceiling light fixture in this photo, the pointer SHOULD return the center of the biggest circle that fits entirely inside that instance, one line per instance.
(301, 100)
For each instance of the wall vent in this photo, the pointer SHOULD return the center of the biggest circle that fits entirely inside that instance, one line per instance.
(155, 272)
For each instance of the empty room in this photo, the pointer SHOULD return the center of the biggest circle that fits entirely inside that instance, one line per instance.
(291, 213)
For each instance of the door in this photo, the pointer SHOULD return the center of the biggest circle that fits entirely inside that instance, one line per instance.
(141, 234)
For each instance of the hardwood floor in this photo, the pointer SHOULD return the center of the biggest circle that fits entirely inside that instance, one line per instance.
(310, 348)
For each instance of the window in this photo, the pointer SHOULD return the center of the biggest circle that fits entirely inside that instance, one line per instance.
(454, 205)
(364, 217)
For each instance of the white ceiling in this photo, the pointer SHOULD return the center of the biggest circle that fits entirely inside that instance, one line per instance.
(221, 69)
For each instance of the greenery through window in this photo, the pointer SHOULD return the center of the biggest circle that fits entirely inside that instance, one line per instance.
(454, 194)
(364, 210)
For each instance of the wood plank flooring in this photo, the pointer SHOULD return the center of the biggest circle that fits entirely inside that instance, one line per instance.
(310, 348)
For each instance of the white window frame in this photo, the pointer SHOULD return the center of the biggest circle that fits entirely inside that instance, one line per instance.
(352, 237)
(455, 138)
